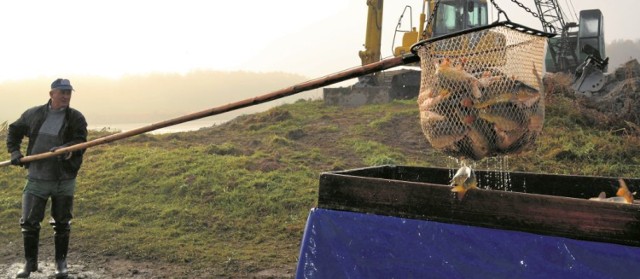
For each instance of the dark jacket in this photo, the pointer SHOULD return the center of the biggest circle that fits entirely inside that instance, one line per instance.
(73, 131)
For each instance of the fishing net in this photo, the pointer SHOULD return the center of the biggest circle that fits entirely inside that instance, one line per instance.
(481, 93)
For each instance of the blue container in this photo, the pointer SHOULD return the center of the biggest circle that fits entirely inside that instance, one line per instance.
(404, 222)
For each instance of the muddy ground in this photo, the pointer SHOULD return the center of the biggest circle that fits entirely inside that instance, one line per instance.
(86, 265)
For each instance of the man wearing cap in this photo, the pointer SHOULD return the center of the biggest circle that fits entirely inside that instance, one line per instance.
(49, 127)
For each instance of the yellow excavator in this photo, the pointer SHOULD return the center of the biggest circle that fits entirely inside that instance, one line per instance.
(450, 16)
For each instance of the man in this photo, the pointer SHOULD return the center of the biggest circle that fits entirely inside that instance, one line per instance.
(49, 127)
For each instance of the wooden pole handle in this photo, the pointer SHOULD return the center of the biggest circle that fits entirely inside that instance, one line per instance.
(285, 92)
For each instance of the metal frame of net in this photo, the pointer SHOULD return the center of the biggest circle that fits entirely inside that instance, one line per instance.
(481, 92)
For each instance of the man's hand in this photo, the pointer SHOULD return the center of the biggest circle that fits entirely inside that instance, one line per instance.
(15, 158)
(65, 156)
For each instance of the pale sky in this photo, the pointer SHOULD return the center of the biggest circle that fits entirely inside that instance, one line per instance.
(44, 38)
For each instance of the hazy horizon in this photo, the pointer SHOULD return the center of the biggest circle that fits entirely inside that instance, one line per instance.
(187, 56)
(155, 97)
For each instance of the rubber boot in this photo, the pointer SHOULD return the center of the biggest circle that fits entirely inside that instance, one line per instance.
(62, 247)
(33, 208)
(61, 208)
(31, 239)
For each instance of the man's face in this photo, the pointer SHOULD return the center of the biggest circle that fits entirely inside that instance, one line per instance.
(60, 98)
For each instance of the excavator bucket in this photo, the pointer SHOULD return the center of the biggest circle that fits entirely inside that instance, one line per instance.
(589, 78)
(590, 74)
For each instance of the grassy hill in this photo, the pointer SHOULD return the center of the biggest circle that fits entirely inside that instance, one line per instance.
(233, 199)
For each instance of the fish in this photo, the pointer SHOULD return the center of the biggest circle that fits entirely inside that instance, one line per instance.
(464, 180)
(466, 102)
(537, 119)
(541, 89)
(623, 195)
(428, 115)
(624, 192)
(603, 197)
(443, 134)
(479, 143)
(428, 103)
(444, 93)
(454, 73)
(505, 139)
(525, 98)
(501, 98)
(424, 94)
(487, 78)
(520, 140)
(429, 92)
(468, 119)
(444, 141)
(536, 122)
(475, 89)
(538, 79)
(522, 98)
(464, 114)
(500, 121)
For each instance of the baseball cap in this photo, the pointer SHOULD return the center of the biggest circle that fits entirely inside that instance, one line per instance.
(61, 83)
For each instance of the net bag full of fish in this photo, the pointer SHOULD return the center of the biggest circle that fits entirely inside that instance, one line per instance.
(481, 93)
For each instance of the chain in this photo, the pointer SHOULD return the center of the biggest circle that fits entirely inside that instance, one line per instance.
(430, 19)
(544, 22)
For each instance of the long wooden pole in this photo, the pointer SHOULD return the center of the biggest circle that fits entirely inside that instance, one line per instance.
(300, 87)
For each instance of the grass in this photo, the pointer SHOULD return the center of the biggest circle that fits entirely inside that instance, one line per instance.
(234, 198)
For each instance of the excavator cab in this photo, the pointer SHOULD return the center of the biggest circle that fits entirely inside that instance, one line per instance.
(458, 15)
(591, 49)
(591, 33)
(452, 16)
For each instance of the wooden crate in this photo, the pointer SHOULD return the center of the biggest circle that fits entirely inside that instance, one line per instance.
(546, 204)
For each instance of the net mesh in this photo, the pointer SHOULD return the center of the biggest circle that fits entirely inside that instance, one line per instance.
(481, 94)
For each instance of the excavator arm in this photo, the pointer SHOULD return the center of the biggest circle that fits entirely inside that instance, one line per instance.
(373, 38)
